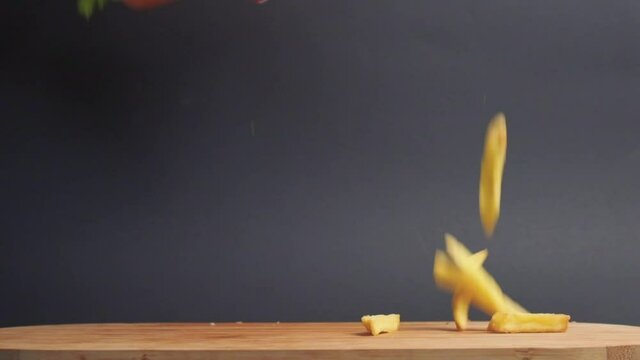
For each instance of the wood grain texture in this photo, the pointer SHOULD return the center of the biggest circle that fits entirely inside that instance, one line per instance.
(414, 340)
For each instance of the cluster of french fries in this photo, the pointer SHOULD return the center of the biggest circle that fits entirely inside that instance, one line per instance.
(462, 273)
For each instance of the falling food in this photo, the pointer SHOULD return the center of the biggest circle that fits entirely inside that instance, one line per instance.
(495, 151)
(461, 273)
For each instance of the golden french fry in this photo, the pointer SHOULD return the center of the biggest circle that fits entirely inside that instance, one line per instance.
(377, 324)
(460, 308)
(460, 272)
(527, 323)
(491, 170)
(481, 289)
(445, 273)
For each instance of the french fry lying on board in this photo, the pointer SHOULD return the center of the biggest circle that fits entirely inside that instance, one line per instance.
(461, 273)
(528, 323)
(491, 170)
(377, 324)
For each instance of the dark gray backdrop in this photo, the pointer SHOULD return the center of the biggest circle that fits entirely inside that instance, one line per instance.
(301, 160)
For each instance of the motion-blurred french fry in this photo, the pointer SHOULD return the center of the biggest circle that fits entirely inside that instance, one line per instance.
(445, 272)
(460, 272)
(526, 323)
(493, 158)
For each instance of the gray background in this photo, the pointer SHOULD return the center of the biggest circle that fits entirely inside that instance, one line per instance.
(134, 189)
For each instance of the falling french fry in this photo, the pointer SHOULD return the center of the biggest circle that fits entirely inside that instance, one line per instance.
(492, 167)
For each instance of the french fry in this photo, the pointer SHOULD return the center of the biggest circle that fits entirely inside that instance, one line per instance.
(377, 324)
(528, 323)
(491, 170)
(460, 272)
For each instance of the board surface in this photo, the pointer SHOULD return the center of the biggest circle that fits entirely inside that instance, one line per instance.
(436, 340)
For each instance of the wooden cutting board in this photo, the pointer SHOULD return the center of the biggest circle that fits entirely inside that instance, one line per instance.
(414, 340)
